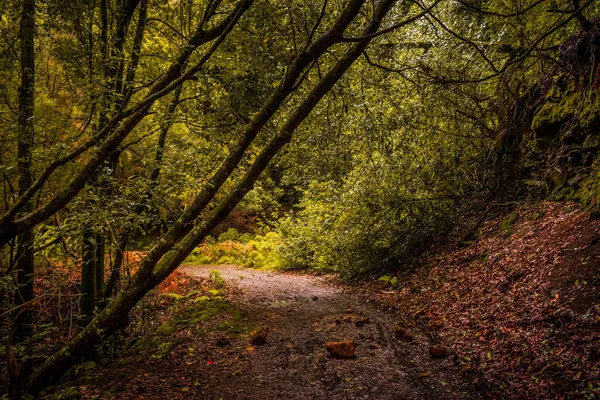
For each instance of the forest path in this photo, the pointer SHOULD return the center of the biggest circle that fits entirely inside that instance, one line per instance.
(302, 313)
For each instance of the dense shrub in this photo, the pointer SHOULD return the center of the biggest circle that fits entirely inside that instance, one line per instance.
(377, 217)
(259, 251)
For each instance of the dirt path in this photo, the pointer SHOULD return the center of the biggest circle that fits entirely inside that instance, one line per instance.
(302, 313)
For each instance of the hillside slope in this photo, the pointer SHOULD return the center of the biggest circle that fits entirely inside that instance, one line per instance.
(519, 305)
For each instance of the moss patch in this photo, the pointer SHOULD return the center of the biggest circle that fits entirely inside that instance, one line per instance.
(163, 349)
(564, 104)
(505, 225)
(204, 310)
(589, 190)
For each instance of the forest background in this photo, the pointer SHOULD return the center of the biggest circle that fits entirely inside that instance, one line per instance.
(338, 136)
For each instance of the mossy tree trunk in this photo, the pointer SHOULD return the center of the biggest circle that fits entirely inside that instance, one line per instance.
(163, 258)
(25, 253)
(87, 302)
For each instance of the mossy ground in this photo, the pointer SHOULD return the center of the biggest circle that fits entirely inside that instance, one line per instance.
(191, 318)
(199, 315)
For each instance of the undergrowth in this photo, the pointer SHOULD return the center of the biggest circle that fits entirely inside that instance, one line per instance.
(231, 247)
(180, 308)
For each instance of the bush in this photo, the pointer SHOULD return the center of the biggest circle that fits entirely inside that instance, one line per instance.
(254, 252)
(373, 221)
(231, 235)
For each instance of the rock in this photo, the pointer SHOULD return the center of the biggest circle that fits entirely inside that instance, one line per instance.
(403, 334)
(362, 322)
(374, 346)
(350, 311)
(438, 351)
(259, 337)
(315, 298)
(558, 177)
(223, 341)
(343, 349)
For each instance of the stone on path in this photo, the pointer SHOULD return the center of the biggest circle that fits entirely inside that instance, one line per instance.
(403, 334)
(438, 351)
(343, 349)
(223, 341)
(259, 337)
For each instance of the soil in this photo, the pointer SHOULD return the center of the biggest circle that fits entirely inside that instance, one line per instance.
(514, 313)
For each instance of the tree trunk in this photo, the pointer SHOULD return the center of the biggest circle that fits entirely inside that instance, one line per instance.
(115, 271)
(115, 315)
(88, 273)
(99, 280)
(25, 255)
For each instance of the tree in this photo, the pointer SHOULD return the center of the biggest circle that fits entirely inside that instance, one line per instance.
(216, 46)
(25, 256)
(162, 260)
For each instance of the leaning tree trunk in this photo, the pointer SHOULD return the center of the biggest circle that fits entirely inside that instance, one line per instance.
(123, 240)
(25, 254)
(118, 128)
(115, 315)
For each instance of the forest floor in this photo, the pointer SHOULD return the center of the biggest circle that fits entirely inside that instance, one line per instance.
(205, 351)
(516, 306)
(518, 302)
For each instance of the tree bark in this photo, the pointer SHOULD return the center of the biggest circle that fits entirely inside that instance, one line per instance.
(87, 302)
(115, 315)
(25, 255)
(99, 279)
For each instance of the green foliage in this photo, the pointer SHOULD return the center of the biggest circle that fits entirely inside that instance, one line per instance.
(505, 225)
(232, 235)
(265, 252)
(260, 251)
(381, 212)
(392, 281)
(215, 277)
